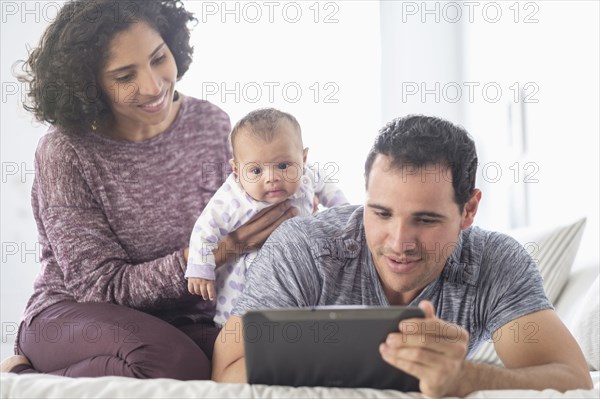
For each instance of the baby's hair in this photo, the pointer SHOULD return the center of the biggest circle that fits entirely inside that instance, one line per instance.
(263, 123)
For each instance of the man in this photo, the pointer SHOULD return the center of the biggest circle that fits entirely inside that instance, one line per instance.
(412, 243)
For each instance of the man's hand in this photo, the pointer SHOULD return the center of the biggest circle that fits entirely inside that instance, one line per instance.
(430, 349)
(202, 287)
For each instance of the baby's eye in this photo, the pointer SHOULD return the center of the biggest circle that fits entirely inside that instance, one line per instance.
(256, 170)
(283, 165)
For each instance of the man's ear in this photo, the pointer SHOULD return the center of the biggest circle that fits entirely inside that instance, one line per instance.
(470, 209)
(304, 155)
(234, 166)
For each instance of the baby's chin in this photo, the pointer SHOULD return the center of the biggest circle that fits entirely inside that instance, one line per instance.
(275, 197)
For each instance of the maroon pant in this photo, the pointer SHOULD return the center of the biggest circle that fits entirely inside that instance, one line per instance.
(99, 339)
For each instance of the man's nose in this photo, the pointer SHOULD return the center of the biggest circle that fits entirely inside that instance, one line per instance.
(402, 238)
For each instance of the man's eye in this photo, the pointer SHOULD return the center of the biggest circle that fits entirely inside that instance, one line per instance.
(283, 165)
(382, 215)
(426, 221)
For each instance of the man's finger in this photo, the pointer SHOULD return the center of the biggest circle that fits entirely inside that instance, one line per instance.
(428, 308)
(394, 358)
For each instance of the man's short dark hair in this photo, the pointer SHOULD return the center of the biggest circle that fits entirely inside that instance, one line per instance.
(418, 141)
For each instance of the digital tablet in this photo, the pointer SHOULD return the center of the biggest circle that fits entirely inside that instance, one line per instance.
(324, 346)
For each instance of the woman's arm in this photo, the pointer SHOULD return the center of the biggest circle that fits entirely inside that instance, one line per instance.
(80, 250)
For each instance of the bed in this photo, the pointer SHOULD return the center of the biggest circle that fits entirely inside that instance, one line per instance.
(47, 386)
(574, 289)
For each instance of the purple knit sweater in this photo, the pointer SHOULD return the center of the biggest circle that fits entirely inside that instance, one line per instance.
(114, 216)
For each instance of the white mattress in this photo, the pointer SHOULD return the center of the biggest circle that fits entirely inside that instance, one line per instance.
(47, 386)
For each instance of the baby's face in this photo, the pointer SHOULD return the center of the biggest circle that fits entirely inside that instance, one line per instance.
(270, 171)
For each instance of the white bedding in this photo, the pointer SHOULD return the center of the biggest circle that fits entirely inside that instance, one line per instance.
(47, 386)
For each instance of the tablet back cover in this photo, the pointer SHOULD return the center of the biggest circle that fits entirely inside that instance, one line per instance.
(330, 346)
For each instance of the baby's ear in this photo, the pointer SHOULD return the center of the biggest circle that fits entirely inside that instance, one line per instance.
(305, 154)
(234, 166)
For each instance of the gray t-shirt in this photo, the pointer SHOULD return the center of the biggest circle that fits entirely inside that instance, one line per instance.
(488, 280)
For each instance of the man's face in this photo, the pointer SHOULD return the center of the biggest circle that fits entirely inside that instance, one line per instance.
(412, 224)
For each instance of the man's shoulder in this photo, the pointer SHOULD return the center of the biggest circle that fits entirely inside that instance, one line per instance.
(340, 218)
(490, 252)
(487, 241)
(336, 221)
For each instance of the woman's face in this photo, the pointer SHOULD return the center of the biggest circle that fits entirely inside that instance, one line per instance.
(139, 81)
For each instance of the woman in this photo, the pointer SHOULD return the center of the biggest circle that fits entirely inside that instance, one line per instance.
(122, 175)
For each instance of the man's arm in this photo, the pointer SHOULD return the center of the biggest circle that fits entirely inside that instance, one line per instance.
(539, 352)
(228, 356)
(543, 356)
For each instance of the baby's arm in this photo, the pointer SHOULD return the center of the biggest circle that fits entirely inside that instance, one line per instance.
(223, 214)
(326, 188)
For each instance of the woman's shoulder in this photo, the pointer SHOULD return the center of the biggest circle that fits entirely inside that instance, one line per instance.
(204, 113)
(56, 145)
(202, 105)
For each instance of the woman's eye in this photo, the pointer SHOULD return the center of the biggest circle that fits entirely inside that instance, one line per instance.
(124, 78)
(159, 60)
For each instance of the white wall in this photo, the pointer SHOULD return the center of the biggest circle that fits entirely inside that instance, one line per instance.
(552, 52)
(419, 57)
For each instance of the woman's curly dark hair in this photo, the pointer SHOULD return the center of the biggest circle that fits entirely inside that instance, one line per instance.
(62, 73)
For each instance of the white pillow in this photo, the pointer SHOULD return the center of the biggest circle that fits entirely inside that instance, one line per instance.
(554, 250)
(586, 325)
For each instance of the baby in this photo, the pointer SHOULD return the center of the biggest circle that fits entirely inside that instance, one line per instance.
(269, 166)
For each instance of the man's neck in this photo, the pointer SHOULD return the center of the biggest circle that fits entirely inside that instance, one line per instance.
(400, 299)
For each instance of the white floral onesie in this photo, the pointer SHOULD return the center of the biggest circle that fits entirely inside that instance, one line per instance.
(229, 209)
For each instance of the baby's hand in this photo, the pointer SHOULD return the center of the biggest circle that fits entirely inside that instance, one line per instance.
(202, 287)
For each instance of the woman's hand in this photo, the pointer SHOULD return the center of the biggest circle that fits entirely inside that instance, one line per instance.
(254, 233)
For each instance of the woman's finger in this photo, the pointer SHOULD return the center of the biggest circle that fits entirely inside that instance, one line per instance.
(260, 237)
(267, 216)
